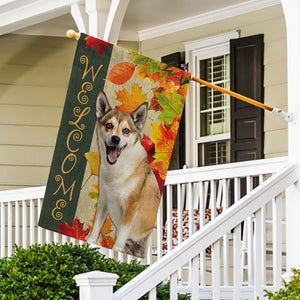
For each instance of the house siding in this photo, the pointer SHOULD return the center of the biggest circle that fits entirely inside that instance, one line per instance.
(35, 72)
(34, 75)
(271, 23)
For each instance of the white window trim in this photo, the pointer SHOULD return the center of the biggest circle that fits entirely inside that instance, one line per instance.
(195, 50)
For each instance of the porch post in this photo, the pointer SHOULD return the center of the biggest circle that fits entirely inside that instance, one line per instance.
(292, 18)
(96, 285)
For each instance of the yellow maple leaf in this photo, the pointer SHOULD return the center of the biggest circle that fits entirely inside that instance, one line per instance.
(143, 71)
(93, 159)
(130, 102)
(164, 137)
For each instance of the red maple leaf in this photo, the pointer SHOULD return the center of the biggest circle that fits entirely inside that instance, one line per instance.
(92, 42)
(176, 76)
(149, 146)
(76, 231)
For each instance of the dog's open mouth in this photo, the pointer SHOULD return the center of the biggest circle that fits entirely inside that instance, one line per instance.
(112, 153)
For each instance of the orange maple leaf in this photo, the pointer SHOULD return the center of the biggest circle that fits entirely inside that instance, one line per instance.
(164, 137)
(106, 228)
(107, 242)
(130, 101)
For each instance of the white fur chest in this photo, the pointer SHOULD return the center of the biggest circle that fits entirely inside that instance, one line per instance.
(117, 181)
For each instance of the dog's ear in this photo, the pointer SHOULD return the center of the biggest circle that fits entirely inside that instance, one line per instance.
(139, 115)
(102, 105)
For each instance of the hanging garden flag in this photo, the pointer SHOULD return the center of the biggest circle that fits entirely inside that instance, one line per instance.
(114, 145)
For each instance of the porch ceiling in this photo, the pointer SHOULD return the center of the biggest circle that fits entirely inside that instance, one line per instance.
(143, 19)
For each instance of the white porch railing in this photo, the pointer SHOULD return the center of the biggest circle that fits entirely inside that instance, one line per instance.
(252, 205)
(187, 193)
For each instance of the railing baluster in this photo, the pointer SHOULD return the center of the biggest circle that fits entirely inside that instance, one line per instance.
(48, 236)
(17, 223)
(152, 294)
(173, 286)
(194, 282)
(40, 230)
(2, 223)
(24, 224)
(32, 222)
(169, 217)
(250, 249)
(237, 267)
(9, 229)
(258, 287)
(190, 208)
(225, 205)
(277, 240)
(263, 246)
(237, 189)
(215, 261)
(149, 251)
(179, 228)
(159, 230)
(202, 219)
(212, 200)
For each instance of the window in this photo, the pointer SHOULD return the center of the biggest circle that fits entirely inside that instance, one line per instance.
(214, 112)
(209, 109)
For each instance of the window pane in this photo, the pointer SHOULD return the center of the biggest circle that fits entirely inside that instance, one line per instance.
(214, 105)
(214, 153)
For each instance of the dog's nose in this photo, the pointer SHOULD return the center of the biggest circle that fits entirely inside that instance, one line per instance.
(115, 139)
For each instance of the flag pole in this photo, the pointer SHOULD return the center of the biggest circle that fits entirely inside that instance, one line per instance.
(285, 115)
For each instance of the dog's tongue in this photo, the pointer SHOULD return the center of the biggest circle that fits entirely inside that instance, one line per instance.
(112, 154)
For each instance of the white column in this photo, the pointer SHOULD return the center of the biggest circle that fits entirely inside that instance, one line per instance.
(96, 285)
(98, 11)
(292, 17)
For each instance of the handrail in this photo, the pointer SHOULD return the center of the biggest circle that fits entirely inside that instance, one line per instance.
(22, 194)
(240, 169)
(200, 240)
(230, 170)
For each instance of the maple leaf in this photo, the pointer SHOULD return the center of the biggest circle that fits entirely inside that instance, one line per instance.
(171, 108)
(140, 59)
(94, 43)
(185, 78)
(176, 76)
(130, 101)
(164, 137)
(76, 231)
(182, 90)
(121, 73)
(143, 71)
(160, 174)
(106, 228)
(94, 195)
(93, 159)
(107, 242)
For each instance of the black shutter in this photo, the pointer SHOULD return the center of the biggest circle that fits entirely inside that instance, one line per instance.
(178, 155)
(246, 78)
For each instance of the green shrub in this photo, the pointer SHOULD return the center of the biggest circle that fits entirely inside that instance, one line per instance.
(290, 291)
(46, 272)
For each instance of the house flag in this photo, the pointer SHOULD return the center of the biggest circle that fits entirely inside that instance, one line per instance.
(119, 124)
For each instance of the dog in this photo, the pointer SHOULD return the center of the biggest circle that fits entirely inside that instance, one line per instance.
(129, 192)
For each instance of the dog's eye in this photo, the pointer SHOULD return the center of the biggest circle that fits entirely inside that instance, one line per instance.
(109, 126)
(126, 131)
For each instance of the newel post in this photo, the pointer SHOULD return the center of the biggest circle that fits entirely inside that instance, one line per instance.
(96, 285)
